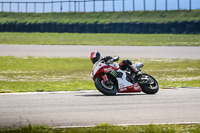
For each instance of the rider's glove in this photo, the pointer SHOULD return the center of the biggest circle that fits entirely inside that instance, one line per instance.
(107, 58)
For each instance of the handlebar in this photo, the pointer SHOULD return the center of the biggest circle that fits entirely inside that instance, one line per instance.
(109, 59)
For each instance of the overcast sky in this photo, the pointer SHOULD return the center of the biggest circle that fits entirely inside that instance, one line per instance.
(89, 6)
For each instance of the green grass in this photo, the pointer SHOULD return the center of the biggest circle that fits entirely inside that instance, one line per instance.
(44, 74)
(107, 128)
(30, 74)
(100, 39)
(102, 17)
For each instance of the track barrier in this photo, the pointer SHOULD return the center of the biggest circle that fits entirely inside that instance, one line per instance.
(184, 27)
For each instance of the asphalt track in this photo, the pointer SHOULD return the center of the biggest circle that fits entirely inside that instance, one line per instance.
(87, 108)
(84, 51)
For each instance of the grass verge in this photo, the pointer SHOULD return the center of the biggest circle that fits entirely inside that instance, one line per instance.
(107, 128)
(100, 39)
(102, 17)
(30, 74)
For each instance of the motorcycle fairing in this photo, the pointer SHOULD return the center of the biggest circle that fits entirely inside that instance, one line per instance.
(122, 82)
(126, 86)
(133, 88)
(100, 69)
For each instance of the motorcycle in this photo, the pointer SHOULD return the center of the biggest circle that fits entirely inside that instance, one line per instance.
(111, 78)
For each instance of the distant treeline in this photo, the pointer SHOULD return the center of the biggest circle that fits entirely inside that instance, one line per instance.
(169, 27)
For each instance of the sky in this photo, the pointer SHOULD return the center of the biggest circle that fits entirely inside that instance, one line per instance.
(89, 6)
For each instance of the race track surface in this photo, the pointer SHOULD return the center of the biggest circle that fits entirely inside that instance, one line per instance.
(86, 108)
(85, 51)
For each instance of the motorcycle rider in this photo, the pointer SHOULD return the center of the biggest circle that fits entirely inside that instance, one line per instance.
(96, 57)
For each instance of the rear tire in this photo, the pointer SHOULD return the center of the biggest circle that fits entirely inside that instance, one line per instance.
(105, 89)
(151, 87)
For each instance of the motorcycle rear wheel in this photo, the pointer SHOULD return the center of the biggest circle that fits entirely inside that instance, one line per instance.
(150, 87)
(105, 89)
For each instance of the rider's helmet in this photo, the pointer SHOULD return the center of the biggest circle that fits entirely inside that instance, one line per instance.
(95, 56)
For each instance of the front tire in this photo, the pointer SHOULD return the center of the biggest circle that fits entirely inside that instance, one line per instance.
(105, 89)
(148, 84)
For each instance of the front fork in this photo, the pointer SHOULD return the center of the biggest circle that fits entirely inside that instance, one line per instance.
(105, 79)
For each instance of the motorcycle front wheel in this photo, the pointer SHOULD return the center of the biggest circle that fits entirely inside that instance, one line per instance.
(148, 84)
(104, 88)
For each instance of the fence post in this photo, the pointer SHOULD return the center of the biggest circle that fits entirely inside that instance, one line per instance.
(51, 6)
(93, 5)
(103, 5)
(123, 5)
(61, 6)
(113, 5)
(84, 5)
(178, 5)
(155, 5)
(10, 6)
(166, 5)
(133, 5)
(34, 6)
(43, 7)
(144, 5)
(78, 6)
(74, 6)
(2, 6)
(18, 6)
(69, 6)
(190, 4)
(26, 8)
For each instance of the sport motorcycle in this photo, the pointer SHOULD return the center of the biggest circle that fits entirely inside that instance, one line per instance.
(111, 78)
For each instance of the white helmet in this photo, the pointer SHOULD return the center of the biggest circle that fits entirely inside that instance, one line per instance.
(95, 56)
